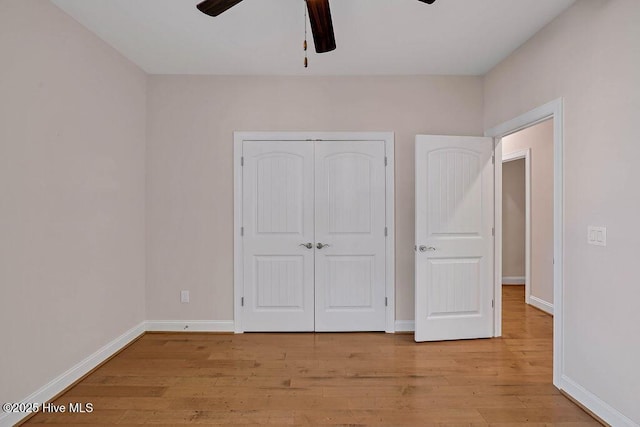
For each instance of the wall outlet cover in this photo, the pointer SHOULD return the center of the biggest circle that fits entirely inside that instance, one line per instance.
(184, 296)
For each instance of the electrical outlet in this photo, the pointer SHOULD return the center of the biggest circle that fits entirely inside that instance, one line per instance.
(184, 296)
(597, 235)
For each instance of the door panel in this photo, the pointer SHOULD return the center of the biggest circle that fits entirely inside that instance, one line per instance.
(278, 218)
(277, 282)
(350, 219)
(280, 195)
(349, 282)
(453, 196)
(349, 196)
(454, 287)
(454, 220)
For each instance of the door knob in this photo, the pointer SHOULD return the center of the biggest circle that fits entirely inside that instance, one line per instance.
(307, 245)
(424, 248)
(322, 245)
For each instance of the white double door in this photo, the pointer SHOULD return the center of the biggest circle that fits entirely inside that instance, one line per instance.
(314, 235)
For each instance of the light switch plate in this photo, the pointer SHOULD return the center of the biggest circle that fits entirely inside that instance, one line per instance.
(597, 235)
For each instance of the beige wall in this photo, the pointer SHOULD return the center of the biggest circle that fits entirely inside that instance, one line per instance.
(539, 139)
(513, 219)
(590, 56)
(72, 180)
(72, 144)
(190, 146)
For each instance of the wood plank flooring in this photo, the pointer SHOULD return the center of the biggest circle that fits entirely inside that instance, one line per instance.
(331, 379)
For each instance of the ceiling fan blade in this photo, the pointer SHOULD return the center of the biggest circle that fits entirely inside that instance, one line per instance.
(428, 1)
(216, 7)
(321, 25)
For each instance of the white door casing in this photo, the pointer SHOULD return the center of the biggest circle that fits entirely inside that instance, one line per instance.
(278, 270)
(258, 270)
(454, 242)
(350, 236)
(553, 109)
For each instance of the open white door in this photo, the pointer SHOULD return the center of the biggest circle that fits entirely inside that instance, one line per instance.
(454, 238)
(278, 236)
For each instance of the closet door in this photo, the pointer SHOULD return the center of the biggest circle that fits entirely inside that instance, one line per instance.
(350, 235)
(278, 226)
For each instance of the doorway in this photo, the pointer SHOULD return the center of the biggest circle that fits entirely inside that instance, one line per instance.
(516, 220)
(552, 110)
(533, 148)
(314, 247)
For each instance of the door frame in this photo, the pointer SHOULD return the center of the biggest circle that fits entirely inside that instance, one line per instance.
(526, 155)
(387, 137)
(554, 110)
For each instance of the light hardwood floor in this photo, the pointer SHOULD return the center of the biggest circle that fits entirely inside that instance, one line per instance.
(331, 379)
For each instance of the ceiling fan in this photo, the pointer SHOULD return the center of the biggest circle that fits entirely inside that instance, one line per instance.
(319, 16)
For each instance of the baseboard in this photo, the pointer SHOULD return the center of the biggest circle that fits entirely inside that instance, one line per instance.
(405, 325)
(63, 381)
(541, 304)
(593, 403)
(513, 280)
(190, 326)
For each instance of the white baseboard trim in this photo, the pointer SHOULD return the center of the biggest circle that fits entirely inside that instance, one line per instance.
(60, 383)
(405, 325)
(596, 405)
(190, 326)
(513, 280)
(541, 304)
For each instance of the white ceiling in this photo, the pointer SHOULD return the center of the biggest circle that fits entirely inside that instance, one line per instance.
(458, 37)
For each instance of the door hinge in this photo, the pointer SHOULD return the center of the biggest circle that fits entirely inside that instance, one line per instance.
(242, 301)
(493, 231)
(493, 303)
(242, 231)
(386, 232)
(386, 301)
(385, 160)
(493, 158)
(242, 161)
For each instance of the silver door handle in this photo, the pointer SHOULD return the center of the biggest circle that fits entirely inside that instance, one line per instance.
(424, 248)
(322, 245)
(307, 245)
